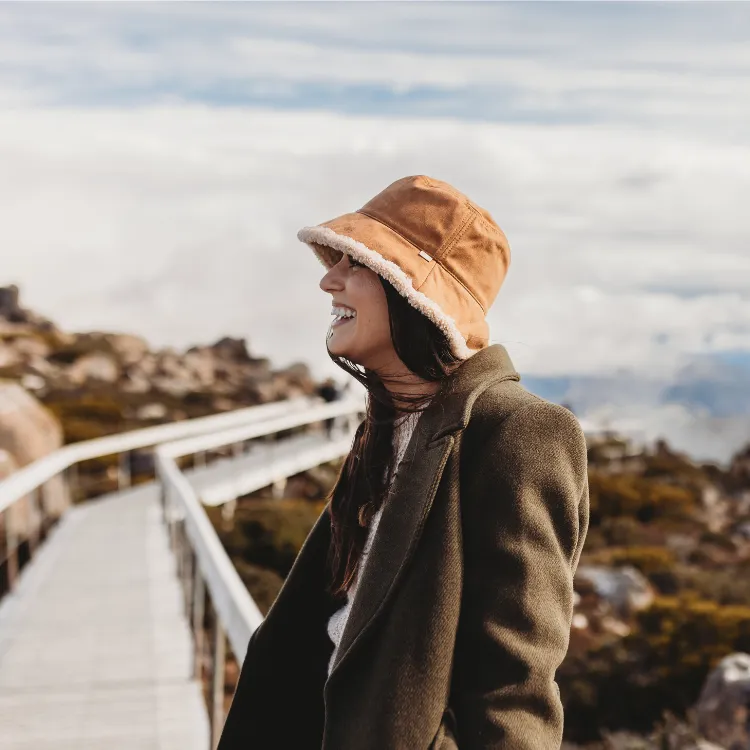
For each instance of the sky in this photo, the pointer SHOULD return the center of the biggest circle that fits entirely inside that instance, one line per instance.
(157, 160)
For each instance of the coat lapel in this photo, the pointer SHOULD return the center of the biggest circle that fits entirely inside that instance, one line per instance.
(414, 489)
(398, 532)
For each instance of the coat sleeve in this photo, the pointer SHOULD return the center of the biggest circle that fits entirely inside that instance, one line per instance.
(524, 498)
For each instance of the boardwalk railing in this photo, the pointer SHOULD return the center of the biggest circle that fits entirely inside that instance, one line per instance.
(34, 497)
(205, 570)
(207, 574)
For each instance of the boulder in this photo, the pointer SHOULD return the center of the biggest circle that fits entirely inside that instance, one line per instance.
(10, 308)
(148, 412)
(723, 708)
(94, 367)
(128, 349)
(625, 588)
(28, 432)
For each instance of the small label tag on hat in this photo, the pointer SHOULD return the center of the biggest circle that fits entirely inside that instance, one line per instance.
(424, 255)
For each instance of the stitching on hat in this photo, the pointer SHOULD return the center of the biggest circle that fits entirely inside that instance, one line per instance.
(458, 232)
(388, 226)
(501, 235)
(459, 282)
(391, 271)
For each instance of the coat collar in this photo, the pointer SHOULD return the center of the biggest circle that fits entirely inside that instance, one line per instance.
(404, 514)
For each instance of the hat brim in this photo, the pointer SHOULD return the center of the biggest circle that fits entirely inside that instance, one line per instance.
(329, 242)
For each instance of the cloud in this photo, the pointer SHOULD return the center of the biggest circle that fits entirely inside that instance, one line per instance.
(180, 222)
(683, 67)
(158, 159)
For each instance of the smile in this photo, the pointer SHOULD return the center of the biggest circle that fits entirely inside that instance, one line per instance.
(342, 315)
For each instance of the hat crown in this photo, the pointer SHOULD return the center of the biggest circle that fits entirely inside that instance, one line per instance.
(462, 238)
(431, 214)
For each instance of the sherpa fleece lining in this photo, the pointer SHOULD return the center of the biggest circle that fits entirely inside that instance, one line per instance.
(392, 273)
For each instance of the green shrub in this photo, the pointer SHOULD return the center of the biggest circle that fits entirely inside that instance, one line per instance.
(270, 533)
(639, 498)
(262, 583)
(661, 665)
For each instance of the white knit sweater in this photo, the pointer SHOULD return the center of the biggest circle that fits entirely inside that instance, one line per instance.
(403, 428)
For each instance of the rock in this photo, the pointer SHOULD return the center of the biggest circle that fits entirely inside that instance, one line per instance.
(135, 382)
(625, 588)
(223, 404)
(201, 365)
(9, 356)
(152, 411)
(298, 371)
(33, 382)
(94, 366)
(129, 349)
(7, 464)
(234, 350)
(10, 308)
(723, 708)
(12, 312)
(28, 432)
(580, 621)
(19, 518)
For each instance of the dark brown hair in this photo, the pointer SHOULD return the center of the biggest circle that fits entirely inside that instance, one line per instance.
(366, 473)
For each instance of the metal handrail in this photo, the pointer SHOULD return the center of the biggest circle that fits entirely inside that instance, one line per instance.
(30, 477)
(213, 440)
(236, 608)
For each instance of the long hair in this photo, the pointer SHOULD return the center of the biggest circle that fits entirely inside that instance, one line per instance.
(366, 472)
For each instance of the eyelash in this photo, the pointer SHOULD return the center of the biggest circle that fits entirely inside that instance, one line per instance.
(354, 263)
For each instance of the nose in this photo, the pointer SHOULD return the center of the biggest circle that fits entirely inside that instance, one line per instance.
(332, 280)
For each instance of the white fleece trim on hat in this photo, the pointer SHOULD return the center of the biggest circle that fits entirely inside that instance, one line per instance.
(395, 275)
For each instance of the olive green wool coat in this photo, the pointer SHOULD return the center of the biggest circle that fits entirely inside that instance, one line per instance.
(464, 608)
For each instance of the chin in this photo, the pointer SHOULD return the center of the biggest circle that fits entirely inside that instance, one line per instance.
(342, 350)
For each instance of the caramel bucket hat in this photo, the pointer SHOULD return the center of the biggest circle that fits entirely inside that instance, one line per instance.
(437, 248)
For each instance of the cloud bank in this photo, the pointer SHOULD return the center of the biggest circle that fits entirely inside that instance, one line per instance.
(157, 161)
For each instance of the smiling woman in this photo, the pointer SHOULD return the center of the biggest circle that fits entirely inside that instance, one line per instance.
(430, 606)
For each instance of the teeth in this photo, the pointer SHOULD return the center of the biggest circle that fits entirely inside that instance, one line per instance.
(342, 313)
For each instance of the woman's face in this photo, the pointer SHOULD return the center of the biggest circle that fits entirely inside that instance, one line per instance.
(366, 338)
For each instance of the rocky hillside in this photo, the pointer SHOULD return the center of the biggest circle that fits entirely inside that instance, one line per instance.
(99, 383)
(662, 599)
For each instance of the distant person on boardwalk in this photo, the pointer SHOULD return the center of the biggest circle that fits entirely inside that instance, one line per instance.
(431, 604)
(329, 392)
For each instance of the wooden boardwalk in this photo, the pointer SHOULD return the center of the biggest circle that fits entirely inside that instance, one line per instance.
(95, 651)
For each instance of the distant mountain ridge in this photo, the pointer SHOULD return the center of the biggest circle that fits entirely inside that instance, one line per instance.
(703, 410)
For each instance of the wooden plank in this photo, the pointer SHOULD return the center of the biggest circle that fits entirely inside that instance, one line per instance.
(95, 649)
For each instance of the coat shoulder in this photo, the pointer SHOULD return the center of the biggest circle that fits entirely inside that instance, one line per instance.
(508, 403)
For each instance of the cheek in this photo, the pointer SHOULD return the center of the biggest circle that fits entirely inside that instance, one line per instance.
(368, 296)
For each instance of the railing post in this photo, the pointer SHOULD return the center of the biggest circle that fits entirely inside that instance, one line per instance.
(278, 487)
(123, 471)
(217, 687)
(35, 520)
(71, 474)
(163, 500)
(188, 561)
(179, 551)
(198, 614)
(11, 544)
(227, 514)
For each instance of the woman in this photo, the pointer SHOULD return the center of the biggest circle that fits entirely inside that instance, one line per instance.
(428, 607)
